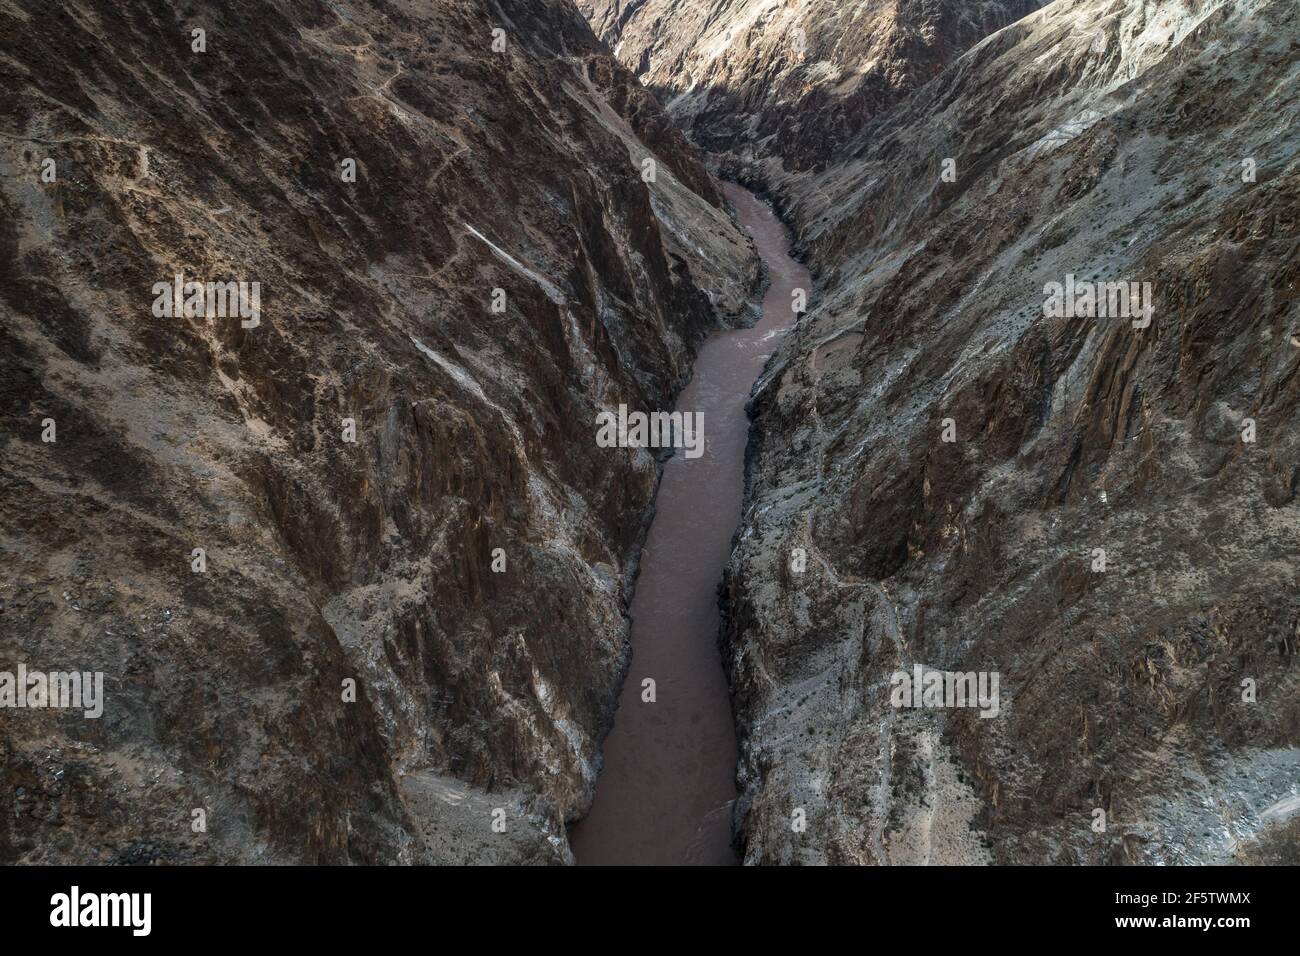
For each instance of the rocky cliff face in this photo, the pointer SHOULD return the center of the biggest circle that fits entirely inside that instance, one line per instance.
(786, 85)
(384, 473)
(1099, 510)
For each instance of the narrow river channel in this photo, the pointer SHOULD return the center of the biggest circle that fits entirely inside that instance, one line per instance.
(668, 787)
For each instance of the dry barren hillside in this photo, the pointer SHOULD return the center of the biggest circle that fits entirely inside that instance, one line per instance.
(346, 561)
(1099, 509)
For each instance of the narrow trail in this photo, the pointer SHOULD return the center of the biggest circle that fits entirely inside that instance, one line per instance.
(668, 788)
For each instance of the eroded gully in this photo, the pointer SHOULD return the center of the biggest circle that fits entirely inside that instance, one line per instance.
(668, 787)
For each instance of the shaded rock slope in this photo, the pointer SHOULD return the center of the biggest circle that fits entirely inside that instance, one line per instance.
(784, 84)
(327, 560)
(1112, 531)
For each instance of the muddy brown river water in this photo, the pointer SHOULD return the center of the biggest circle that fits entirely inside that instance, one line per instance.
(668, 786)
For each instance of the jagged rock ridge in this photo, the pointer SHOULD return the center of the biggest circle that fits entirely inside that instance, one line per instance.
(785, 85)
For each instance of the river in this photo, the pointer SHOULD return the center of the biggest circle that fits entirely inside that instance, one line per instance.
(668, 787)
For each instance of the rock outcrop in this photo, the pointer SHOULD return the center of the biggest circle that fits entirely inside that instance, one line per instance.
(1100, 511)
(784, 86)
(349, 561)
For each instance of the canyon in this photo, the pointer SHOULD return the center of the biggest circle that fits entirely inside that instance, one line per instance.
(667, 792)
(777, 90)
(407, 611)
(943, 475)
(364, 585)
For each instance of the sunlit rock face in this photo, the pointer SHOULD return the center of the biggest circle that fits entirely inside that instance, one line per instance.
(791, 81)
(351, 563)
(1099, 509)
